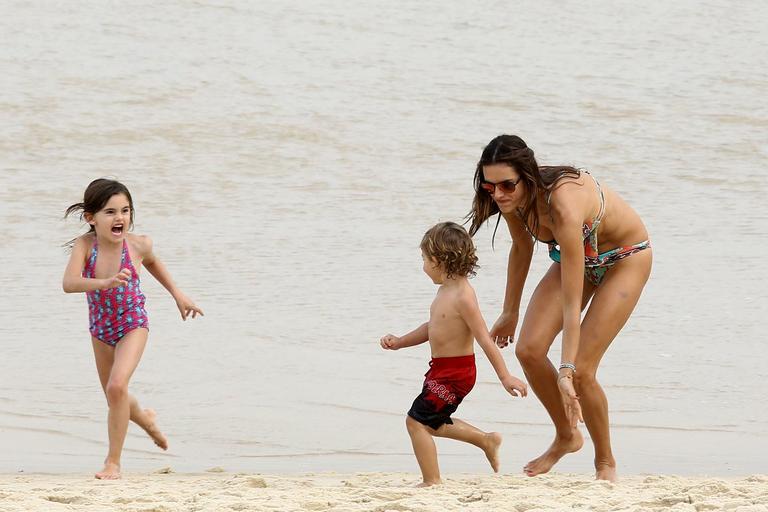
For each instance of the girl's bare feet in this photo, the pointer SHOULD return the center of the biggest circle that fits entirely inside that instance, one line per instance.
(492, 449)
(153, 431)
(554, 453)
(111, 471)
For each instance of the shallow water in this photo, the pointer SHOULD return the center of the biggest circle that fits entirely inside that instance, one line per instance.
(286, 162)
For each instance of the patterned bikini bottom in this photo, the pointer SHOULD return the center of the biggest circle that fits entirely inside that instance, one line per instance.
(596, 265)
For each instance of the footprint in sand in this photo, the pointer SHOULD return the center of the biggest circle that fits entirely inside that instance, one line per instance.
(472, 497)
(318, 505)
(258, 483)
(66, 500)
(393, 506)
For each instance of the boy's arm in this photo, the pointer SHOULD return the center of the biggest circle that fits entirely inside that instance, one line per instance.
(158, 270)
(74, 282)
(470, 312)
(416, 337)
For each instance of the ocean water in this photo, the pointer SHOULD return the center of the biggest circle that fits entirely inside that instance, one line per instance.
(286, 160)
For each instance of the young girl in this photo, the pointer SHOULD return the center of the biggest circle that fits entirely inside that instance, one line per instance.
(105, 264)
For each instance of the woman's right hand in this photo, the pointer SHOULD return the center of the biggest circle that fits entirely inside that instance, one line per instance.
(120, 279)
(503, 331)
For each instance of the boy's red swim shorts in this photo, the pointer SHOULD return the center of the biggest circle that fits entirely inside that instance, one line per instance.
(447, 382)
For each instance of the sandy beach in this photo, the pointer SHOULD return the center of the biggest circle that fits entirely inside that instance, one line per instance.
(165, 491)
(286, 159)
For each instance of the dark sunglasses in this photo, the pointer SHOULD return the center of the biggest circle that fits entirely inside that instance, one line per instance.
(506, 186)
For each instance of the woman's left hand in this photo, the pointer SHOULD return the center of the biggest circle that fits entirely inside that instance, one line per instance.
(187, 307)
(570, 399)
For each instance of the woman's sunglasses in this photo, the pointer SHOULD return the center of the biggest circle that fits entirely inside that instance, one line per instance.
(506, 186)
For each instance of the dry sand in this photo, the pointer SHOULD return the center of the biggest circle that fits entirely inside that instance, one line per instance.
(165, 491)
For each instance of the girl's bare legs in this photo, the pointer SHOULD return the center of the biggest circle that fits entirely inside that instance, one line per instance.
(613, 303)
(460, 430)
(425, 451)
(116, 366)
(145, 418)
(543, 320)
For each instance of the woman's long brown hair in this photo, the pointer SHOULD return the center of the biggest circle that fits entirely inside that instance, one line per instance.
(512, 150)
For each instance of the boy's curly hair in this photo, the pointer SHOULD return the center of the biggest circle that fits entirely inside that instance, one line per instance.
(452, 247)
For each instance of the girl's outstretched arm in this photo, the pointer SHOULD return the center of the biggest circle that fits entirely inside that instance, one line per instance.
(158, 270)
(74, 281)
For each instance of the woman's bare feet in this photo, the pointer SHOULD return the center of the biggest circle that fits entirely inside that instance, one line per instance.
(554, 453)
(429, 484)
(152, 429)
(111, 471)
(606, 472)
(492, 449)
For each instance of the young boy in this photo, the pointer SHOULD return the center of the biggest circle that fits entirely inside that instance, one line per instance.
(454, 321)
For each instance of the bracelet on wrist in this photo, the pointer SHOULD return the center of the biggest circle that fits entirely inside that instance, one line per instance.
(569, 366)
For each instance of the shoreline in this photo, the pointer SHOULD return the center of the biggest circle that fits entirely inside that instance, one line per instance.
(166, 491)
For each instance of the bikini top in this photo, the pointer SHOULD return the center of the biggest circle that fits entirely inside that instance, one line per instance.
(589, 229)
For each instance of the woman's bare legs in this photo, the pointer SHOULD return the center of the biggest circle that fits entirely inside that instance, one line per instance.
(115, 367)
(611, 306)
(543, 320)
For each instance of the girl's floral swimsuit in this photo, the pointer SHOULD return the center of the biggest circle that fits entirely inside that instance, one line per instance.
(115, 312)
(596, 264)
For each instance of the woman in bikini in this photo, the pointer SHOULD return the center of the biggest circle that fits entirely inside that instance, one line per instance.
(591, 232)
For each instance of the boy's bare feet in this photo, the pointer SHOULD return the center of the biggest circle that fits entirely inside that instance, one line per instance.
(606, 472)
(493, 442)
(554, 453)
(152, 429)
(111, 471)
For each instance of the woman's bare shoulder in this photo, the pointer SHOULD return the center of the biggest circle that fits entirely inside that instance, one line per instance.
(574, 198)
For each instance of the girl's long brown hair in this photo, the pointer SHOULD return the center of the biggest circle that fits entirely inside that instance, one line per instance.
(95, 197)
(512, 150)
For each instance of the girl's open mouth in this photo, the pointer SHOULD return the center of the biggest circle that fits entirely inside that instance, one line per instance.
(117, 230)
